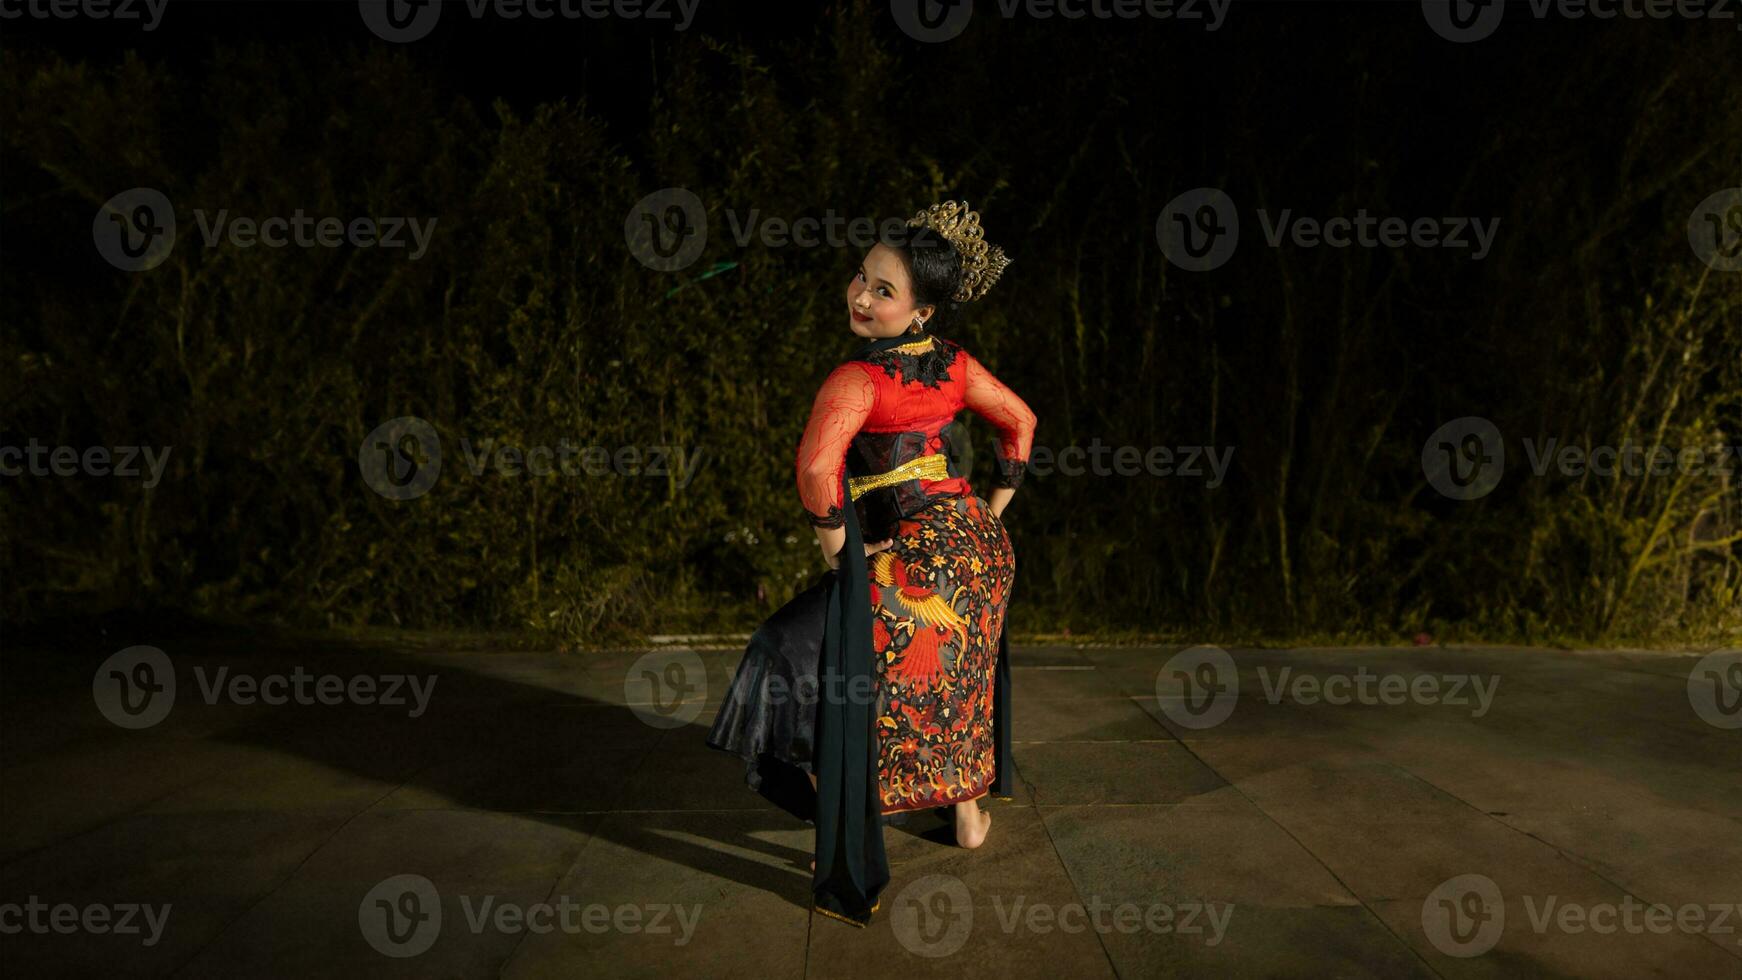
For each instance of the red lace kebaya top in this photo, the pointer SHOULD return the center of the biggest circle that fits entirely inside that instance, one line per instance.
(914, 388)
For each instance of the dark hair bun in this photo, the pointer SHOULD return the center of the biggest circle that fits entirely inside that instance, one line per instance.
(935, 267)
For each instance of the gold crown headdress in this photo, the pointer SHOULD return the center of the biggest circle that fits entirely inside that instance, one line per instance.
(982, 263)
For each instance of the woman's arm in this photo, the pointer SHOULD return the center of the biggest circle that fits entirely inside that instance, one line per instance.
(999, 499)
(993, 401)
(842, 404)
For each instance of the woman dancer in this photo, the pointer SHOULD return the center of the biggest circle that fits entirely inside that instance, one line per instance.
(887, 682)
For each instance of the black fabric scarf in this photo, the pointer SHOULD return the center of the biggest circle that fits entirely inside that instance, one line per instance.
(852, 868)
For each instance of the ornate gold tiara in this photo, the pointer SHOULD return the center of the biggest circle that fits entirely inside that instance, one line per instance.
(982, 263)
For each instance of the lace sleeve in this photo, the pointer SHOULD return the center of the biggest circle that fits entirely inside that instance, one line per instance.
(1009, 414)
(843, 403)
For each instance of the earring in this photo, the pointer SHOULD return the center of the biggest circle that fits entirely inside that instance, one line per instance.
(918, 325)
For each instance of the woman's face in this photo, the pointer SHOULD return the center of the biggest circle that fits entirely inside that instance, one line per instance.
(880, 296)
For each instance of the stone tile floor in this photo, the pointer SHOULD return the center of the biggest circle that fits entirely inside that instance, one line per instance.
(1432, 811)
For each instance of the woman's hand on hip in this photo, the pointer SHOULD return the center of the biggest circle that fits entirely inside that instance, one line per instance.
(870, 549)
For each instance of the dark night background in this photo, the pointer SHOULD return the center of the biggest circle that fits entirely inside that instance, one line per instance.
(1593, 320)
(1389, 696)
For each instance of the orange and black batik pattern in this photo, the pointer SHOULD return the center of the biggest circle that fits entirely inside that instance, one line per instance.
(938, 597)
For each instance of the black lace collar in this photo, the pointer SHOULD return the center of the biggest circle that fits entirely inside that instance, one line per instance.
(911, 358)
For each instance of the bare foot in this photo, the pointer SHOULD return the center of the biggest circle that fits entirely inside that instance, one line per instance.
(972, 824)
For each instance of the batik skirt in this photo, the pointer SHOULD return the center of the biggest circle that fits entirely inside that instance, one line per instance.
(938, 599)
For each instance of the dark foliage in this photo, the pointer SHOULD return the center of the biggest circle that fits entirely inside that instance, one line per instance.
(529, 321)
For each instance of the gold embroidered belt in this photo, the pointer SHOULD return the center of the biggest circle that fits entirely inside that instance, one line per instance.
(933, 467)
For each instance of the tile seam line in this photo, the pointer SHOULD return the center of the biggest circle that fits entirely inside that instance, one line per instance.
(1566, 854)
(218, 934)
(586, 845)
(1419, 958)
(1100, 938)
